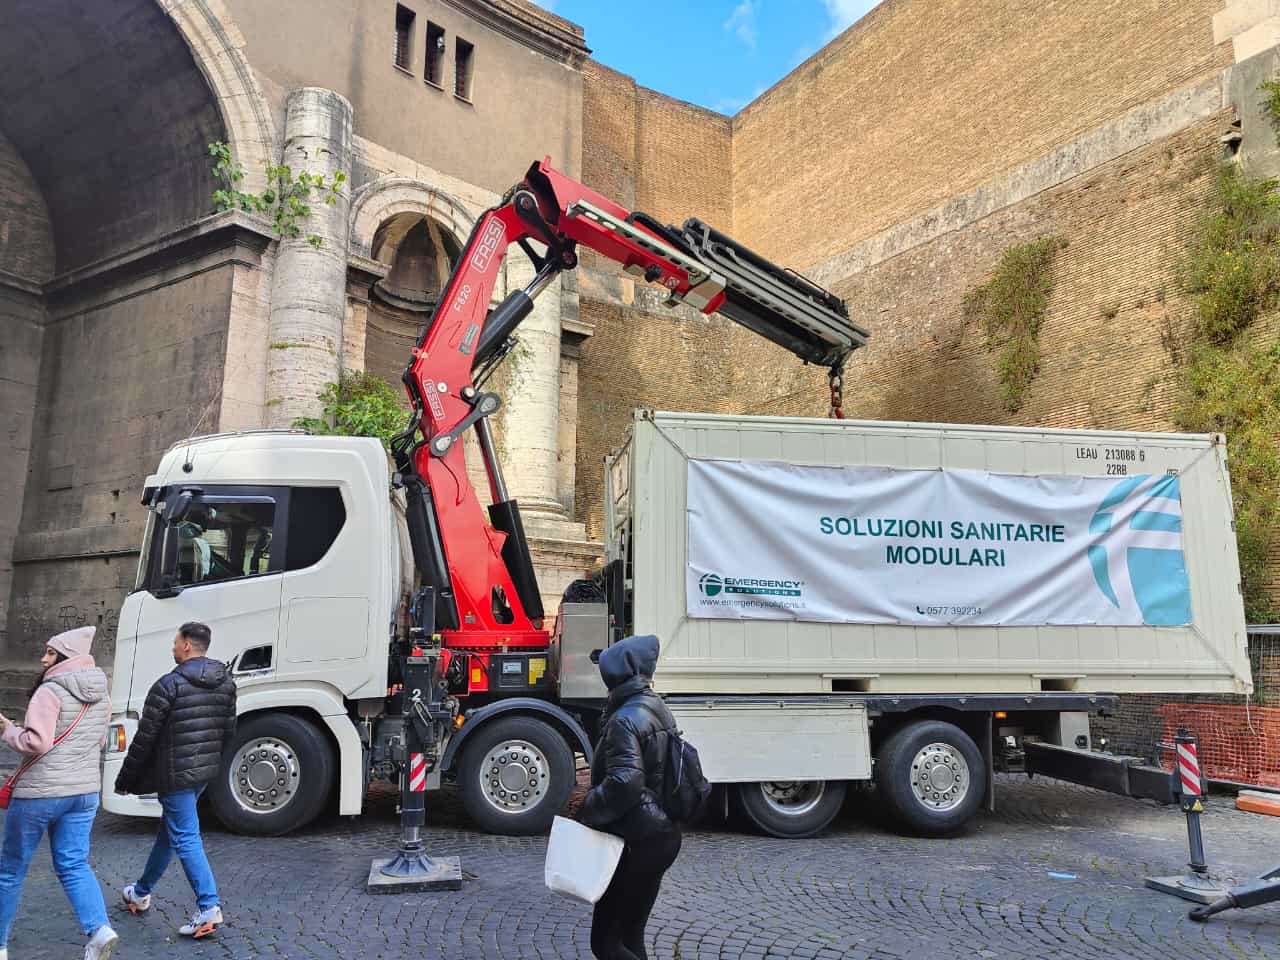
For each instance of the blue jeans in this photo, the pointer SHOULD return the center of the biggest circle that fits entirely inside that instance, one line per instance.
(180, 833)
(68, 821)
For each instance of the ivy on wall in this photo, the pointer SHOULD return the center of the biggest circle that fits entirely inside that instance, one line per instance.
(1228, 363)
(359, 405)
(1011, 306)
(287, 201)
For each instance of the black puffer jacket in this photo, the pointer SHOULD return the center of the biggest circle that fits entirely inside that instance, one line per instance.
(189, 716)
(629, 767)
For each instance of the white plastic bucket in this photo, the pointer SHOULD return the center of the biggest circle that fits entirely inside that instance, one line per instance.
(580, 861)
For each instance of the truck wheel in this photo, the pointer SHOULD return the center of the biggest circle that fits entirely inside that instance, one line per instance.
(277, 774)
(791, 809)
(515, 775)
(932, 776)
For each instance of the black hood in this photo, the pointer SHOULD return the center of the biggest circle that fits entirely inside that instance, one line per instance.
(632, 657)
(203, 672)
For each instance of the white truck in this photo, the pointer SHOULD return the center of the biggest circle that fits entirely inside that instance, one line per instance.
(838, 601)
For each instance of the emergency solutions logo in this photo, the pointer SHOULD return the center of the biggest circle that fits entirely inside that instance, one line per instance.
(722, 591)
(1136, 554)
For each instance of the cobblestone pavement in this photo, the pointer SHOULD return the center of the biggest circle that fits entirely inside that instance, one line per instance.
(860, 891)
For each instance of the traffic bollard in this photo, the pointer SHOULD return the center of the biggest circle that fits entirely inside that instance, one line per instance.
(1197, 884)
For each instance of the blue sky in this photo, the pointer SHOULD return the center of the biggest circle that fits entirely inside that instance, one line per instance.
(719, 54)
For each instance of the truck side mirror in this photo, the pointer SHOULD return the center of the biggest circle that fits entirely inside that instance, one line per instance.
(178, 505)
(169, 584)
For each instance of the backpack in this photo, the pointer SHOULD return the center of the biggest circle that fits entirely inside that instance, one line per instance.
(684, 789)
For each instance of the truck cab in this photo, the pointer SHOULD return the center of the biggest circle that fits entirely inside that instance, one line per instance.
(288, 548)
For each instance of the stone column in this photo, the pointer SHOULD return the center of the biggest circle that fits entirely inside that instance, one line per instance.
(308, 298)
(531, 414)
(362, 274)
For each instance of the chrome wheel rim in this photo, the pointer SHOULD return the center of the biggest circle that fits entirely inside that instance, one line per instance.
(940, 777)
(513, 776)
(264, 775)
(793, 798)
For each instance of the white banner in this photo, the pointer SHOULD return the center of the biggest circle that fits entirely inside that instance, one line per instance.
(776, 541)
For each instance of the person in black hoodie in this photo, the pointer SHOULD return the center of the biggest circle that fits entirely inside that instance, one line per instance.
(188, 717)
(627, 776)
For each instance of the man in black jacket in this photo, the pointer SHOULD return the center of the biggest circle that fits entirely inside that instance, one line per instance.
(628, 773)
(189, 716)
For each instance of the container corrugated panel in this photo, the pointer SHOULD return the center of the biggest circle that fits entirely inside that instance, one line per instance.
(772, 656)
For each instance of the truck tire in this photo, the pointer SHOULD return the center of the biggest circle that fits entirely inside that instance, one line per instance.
(932, 776)
(791, 809)
(515, 775)
(277, 774)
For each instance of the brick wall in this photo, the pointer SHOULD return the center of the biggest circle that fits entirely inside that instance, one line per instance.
(1126, 223)
(640, 359)
(671, 160)
(925, 99)
(921, 105)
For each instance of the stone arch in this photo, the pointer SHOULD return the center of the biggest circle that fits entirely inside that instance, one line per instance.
(380, 200)
(217, 47)
(418, 253)
(106, 109)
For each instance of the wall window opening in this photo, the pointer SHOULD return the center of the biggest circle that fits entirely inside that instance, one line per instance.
(462, 69)
(434, 72)
(404, 35)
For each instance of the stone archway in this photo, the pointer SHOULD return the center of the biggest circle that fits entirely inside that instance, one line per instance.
(419, 255)
(384, 214)
(217, 47)
(378, 201)
(129, 325)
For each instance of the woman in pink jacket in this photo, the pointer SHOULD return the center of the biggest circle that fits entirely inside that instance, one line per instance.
(58, 793)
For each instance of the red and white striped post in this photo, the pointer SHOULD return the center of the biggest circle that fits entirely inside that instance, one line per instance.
(1197, 884)
(418, 773)
(1190, 786)
(1188, 765)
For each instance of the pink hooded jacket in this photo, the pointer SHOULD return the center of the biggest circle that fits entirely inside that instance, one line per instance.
(39, 729)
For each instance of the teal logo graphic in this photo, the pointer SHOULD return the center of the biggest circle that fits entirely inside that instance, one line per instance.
(1152, 561)
(710, 585)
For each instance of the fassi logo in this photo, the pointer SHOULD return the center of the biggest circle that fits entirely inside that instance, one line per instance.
(488, 246)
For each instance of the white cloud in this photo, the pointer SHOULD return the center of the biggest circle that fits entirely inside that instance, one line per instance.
(844, 13)
(742, 22)
(731, 105)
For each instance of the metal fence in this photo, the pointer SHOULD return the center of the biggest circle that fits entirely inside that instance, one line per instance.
(1238, 736)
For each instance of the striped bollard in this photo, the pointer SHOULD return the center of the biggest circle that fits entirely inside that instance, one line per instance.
(1197, 884)
(422, 718)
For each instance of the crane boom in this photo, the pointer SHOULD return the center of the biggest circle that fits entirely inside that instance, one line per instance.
(479, 568)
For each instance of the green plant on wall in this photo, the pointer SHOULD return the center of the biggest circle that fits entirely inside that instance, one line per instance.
(287, 201)
(359, 405)
(1011, 306)
(1229, 364)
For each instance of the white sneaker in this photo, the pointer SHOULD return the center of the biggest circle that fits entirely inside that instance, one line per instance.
(132, 900)
(202, 923)
(100, 945)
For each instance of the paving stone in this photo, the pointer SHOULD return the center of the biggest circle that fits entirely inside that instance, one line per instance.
(859, 891)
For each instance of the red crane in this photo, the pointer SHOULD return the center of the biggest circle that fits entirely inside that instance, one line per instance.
(478, 567)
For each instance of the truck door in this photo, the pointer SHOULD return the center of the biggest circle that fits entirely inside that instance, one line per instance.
(230, 570)
(325, 598)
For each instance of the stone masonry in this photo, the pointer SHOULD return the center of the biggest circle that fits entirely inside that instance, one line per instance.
(894, 166)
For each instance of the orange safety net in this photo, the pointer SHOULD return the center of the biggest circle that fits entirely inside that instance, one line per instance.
(1236, 743)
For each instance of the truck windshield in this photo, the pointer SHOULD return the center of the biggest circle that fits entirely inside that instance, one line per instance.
(144, 558)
